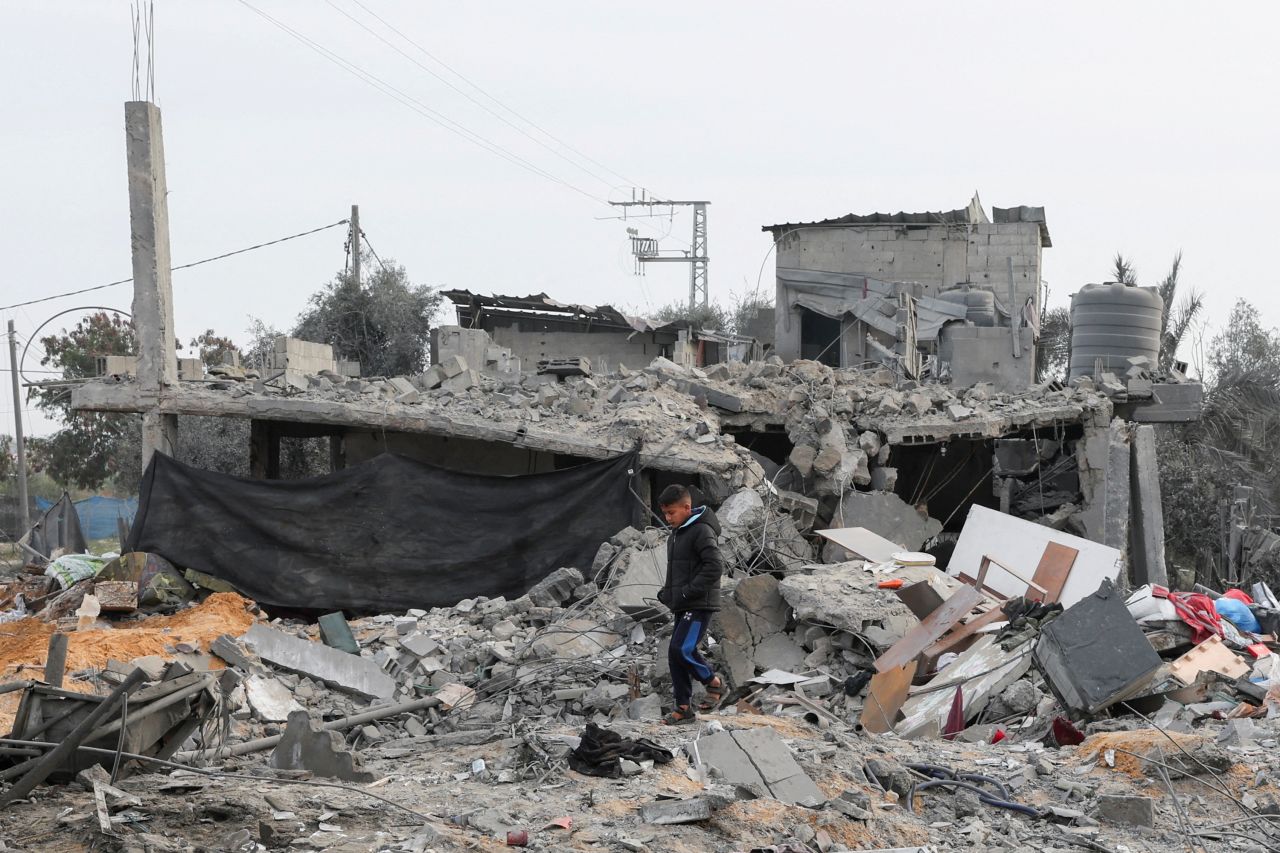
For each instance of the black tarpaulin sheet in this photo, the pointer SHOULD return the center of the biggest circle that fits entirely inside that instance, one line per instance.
(382, 536)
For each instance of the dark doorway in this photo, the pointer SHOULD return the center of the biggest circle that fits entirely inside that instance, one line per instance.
(819, 338)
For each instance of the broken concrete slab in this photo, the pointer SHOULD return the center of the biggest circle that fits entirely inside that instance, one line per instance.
(844, 596)
(575, 638)
(778, 651)
(1020, 545)
(759, 759)
(1094, 654)
(269, 699)
(304, 745)
(888, 516)
(640, 581)
(556, 588)
(345, 671)
(672, 812)
(1146, 549)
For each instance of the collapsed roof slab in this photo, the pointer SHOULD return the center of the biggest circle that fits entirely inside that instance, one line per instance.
(662, 445)
(979, 425)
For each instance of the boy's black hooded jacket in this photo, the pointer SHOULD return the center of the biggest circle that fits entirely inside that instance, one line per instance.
(694, 564)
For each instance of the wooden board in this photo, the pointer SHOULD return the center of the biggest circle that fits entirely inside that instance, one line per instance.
(885, 695)
(930, 630)
(965, 631)
(862, 543)
(1053, 571)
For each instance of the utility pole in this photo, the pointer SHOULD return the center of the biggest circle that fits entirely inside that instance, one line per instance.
(152, 280)
(646, 249)
(24, 516)
(355, 242)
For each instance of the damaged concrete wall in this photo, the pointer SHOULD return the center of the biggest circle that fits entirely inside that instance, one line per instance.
(936, 256)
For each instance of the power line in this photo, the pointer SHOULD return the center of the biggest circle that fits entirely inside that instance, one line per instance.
(418, 106)
(175, 269)
(463, 93)
(372, 250)
(476, 86)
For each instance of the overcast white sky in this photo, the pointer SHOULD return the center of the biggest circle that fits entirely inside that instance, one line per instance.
(1140, 127)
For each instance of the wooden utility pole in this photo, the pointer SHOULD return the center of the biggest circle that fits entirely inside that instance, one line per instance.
(355, 243)
(24, 516)
(152, 279)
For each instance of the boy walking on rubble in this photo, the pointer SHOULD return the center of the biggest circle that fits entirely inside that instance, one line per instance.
(692, 592)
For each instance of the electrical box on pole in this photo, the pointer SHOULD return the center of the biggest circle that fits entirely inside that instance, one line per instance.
(646, 249)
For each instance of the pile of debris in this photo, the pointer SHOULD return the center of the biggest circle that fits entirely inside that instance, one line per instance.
(1016, 699)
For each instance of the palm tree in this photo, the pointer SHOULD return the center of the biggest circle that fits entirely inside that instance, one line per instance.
(1174, 322)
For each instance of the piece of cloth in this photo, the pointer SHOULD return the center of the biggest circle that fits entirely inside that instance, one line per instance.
(70, 569)
(382, 536)
(694, 564)
(600, 752)
(1196, 610)
(1239, 595)
(1238, 613)
(683, 658)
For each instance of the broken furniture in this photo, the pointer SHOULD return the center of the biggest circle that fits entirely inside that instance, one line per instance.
(1094, 655)
(156, 719)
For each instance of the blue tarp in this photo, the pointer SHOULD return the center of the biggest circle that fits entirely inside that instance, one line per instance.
(98, 514)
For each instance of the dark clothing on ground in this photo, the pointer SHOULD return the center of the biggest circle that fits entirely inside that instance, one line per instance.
(601, 751)
(694, 564)
(683, 657)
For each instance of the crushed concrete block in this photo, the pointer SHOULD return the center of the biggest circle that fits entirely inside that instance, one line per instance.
(304, 745)
(462, 382)
(838, 596)
(345, 671)
(758, 757)
(269, 699)
(1127, 810)
(884, 479)
(640, 581)
(670, 812)
(802, 459)
(779, 652)
(556, 588)
(575, 638)
(454, 365)
(1240, 732)
(646, 708)
(428, 380)
(958, 412)
(887, 515)
(408, 397)
(401, 385)
(420, 645)
(743, 509)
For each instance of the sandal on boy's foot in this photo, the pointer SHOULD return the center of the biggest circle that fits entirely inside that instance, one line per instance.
(681, 716)
(714, 695)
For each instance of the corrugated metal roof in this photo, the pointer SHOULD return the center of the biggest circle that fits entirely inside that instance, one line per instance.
(971, 215)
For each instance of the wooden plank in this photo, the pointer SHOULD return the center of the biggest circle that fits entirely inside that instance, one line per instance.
(930, 630)
(100, 801)
(1052, 573)
(885, 695)
(963, 632)
(863, 543)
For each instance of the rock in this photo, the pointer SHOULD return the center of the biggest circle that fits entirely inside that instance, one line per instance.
(304, 745)
(1127, 810)
(271, 700)
(646, 708)
(575, 638)
(743, 509)
(779, 652)
(556, 588)
(802, 458)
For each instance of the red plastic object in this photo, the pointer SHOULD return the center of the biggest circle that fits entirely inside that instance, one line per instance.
(955, 717)
(517, 838)
(891, 583)
(1259, 650)
(560, 823)
(998, 736)
(1065, 733)
(1239, 595)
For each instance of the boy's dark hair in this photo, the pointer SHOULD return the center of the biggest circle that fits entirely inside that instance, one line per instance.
(673, 494)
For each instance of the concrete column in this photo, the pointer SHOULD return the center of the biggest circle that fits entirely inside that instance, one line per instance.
(152, 282)
(1116, 509)
(264, 450)
(1147, 531)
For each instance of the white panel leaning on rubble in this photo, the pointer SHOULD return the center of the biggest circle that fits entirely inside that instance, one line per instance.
(1019, 545)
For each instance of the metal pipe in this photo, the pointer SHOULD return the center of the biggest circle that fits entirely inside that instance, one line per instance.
(260, 744)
